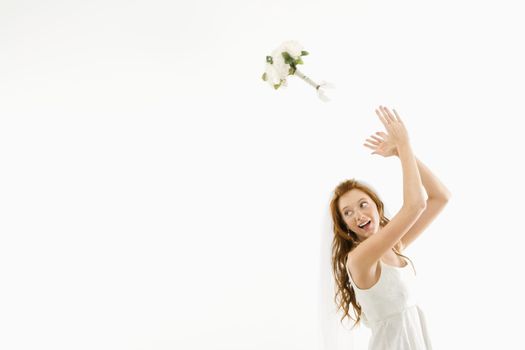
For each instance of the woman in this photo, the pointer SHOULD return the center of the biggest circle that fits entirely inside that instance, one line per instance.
(366, 249)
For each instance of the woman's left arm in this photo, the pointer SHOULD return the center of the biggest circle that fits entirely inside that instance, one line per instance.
(434, 188)
(438, 197)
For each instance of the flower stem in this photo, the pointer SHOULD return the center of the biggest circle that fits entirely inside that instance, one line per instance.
(305, 78)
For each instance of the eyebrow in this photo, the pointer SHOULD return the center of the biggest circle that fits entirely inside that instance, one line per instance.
(358, 201)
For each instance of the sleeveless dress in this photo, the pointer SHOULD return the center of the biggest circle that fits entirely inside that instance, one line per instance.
(389, 308)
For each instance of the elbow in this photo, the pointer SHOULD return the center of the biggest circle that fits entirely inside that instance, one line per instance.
(421, 206)
(418, 206)
(443, 197)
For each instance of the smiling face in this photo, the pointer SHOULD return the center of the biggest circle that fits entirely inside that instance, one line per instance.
(357, 208)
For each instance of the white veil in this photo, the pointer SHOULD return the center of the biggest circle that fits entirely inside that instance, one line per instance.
(334, 334)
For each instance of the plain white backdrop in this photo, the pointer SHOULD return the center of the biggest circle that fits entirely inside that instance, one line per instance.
(156, 194)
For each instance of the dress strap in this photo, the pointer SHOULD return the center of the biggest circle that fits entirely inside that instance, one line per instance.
(410, 261)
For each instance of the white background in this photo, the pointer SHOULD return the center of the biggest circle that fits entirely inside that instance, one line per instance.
(155, 193)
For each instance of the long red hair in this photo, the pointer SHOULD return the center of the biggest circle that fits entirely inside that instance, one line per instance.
(344, 241)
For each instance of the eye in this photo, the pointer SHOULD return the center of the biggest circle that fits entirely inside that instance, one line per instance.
(364, 203)
(348, 213)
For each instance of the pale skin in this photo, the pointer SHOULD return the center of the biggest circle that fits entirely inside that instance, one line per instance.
(407, 225)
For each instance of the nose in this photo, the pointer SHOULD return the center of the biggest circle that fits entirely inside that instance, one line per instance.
(359, 217)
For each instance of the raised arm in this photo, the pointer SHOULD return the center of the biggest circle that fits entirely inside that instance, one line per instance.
(438, 194)
(366, 254)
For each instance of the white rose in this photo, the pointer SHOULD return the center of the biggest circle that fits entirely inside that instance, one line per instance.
(272, 76)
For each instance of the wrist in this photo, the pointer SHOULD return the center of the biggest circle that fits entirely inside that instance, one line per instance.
(403, 150)
(402, 146)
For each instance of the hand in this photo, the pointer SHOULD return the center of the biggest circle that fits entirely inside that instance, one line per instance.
(382, 145)
(397, 132)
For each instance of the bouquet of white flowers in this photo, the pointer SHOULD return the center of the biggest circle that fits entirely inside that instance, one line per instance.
(283, 62)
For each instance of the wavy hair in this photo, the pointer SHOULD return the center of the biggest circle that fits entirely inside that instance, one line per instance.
(344, 241)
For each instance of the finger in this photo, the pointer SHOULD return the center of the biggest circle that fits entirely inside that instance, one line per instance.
(371, 147)
(377, 138)
(373, 142)
(383, 119)
(383, 135)
(389, 114)
(397, 116)
(380, 114)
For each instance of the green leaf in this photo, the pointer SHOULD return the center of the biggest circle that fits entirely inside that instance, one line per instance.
(291, 71)
(287, 58)
(264, 76)
(304, 53)
(269, 59)
(276, 86)
(299, 61)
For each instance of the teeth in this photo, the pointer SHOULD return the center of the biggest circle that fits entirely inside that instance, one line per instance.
(364, 224)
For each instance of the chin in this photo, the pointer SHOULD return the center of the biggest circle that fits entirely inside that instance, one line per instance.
(368, 234)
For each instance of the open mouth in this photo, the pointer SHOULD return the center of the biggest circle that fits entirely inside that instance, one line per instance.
(365, 225)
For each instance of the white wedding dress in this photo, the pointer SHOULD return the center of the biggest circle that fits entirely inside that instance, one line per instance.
(389, 308)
